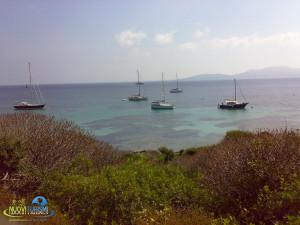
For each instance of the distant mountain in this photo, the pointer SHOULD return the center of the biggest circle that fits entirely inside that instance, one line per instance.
(270, 72)
(208, 77)
(265, 73)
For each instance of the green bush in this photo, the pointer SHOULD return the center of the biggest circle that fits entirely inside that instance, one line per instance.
(167, 154)
(121, 194)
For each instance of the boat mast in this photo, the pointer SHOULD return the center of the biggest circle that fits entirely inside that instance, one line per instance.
(138, 83)
(234, 89)
(35, 91)
(163, 86)
(30, 81)
(177, 80)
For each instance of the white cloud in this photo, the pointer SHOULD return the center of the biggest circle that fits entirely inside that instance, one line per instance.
(281, 39)
(130, 38)
(207, 30)
(199, 33)
(163, 39)
(188, 46)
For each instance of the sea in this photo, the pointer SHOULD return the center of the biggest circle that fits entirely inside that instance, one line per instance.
(196, 121)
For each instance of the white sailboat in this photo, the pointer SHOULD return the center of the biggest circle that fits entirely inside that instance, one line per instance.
(177, 89)
(138, 97)
(162, 104)
(36, 101)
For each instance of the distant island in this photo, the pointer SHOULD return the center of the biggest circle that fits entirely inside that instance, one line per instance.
(265, 73)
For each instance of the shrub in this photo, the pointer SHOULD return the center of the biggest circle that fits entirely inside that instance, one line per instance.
(180, 152)
(248, 178)
(236, 135)
(292, 220)
(167, 154)
(121, 194)
(50, 145)
(242, 172)
(192, 159)
(191, 151)
(176, 217)
(10, 154)
(278, 205)
(6, 197)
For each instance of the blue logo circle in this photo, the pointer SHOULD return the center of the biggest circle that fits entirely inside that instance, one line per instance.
(39, 201)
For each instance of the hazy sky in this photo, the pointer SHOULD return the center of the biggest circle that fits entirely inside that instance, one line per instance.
(99, 41)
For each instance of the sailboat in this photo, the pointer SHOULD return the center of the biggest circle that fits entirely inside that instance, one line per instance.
(233, 104)
(162, 104)
(36, 101)
(138, 97)
(177, 89)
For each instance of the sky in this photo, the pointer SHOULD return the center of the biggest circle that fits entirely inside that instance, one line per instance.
(74, 41)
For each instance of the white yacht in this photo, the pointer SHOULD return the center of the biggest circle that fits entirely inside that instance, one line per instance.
(162, 104)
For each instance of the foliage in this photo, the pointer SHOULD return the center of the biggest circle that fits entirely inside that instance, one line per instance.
(188, 216)
(248, 178)
(191, 151)
(121, 194)
(236, 135)
(49, 145)
(167, 154)
(293, 220)
(6, 197)
(10, 154)
(247, 175)
(277, 205)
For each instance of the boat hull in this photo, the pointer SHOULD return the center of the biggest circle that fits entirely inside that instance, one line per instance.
(235, 106)
(162, 107)
(137, 98)
(29, 107)
(155, 105)
(176, 90)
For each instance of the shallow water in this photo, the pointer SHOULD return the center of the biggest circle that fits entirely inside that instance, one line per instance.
(195, 121)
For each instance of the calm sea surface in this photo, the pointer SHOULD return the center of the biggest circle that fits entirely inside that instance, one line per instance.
(195, 121)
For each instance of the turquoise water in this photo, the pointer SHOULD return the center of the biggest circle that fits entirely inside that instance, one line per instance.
(195, 121)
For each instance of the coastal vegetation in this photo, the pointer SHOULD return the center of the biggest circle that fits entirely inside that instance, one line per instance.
(247, 178)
